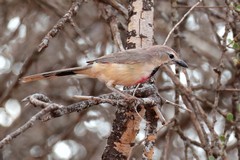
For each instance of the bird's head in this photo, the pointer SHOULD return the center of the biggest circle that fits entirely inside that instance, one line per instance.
(169, 56)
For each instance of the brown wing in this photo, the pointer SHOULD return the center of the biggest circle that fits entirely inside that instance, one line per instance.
(131, 56)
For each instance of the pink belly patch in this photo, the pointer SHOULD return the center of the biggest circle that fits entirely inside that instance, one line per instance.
(142, 80)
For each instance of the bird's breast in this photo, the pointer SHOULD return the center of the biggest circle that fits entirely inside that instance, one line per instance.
(123, 74)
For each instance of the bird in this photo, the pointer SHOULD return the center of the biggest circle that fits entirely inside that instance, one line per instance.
(127, 68)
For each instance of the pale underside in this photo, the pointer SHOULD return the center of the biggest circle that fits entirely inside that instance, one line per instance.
(120, 74)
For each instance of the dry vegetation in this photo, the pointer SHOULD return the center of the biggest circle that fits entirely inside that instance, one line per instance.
(207, 39)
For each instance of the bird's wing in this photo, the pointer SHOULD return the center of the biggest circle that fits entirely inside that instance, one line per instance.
(131, 56)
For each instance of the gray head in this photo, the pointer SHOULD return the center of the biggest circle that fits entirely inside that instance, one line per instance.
(168, 55)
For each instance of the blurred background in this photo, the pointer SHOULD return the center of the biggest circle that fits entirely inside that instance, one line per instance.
(208, 36)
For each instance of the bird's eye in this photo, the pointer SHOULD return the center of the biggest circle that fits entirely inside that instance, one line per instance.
(171, 56)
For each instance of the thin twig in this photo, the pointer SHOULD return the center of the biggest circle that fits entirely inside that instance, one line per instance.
(118, 6)
(44, 43)
(184, 16)
(81, 33)
(109, 15)
(177, 105)
(215, 7)
(230, 89)
(39, 116)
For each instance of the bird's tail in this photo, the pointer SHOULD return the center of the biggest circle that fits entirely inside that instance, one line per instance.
(86, 71)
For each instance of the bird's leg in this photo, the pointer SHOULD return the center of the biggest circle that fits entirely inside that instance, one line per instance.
(112, 88)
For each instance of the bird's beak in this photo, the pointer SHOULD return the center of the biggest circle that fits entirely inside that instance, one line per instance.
(181, 63)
